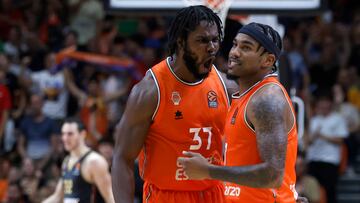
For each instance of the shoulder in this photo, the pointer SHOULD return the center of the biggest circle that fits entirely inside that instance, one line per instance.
(144, 95)
(145, 88)
(268, 94)
(94, 161)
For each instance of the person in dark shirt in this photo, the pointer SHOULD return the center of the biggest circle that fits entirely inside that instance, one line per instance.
(85, 173)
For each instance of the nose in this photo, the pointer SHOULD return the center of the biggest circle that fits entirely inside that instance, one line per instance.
(212, 47)
(234, 52)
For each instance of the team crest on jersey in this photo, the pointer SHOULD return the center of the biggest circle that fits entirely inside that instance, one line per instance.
(212, 99)
(175, 98)
(233, 118)
(178, 115)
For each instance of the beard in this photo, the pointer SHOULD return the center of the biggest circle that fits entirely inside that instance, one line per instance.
(191, 65)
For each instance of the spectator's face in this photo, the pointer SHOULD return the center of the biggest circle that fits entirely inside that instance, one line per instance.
(323, 107)
(71, 136)
(14, 35)
(70, 40)
(14, 174)
(28, 167)
(14, 193)
(4, 62)
(94, 88)
(200, 49)
(50, 60)
(5, 166)
(36, 104)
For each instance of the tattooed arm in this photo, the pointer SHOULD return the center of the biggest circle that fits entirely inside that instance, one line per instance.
(269, 113)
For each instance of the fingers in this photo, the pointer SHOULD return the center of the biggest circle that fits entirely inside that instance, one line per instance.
(190, 154)
(182, 160)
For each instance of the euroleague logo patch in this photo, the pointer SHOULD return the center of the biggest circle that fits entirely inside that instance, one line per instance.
(212, 99)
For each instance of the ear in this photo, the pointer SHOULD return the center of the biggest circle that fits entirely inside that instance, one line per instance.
(269, 60)
(83, 133)
(180, 43)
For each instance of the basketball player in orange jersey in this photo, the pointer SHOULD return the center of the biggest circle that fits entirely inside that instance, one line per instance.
(179, 105)
(260, 129)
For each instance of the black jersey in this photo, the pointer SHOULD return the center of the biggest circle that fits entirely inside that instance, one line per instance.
(76, 189)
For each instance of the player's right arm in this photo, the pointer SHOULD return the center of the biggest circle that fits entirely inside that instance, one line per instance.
(130, 136)
(58, 195)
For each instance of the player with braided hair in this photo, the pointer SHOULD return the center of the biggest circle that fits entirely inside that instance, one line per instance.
(179, 105)
(260, 129)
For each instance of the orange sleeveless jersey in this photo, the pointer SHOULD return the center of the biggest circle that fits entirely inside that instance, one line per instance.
(241, 150)
(189, 117)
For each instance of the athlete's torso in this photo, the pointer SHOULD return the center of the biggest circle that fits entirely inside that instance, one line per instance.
(189, 117)
(76, 188)
(241, 150)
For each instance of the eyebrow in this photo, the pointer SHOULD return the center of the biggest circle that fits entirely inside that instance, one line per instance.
(248, 42)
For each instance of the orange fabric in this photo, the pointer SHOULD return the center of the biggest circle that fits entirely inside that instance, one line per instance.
(189, 117)
(152, 194)
(3, 188)
(101, 118)
(242, 150)
(93, 58)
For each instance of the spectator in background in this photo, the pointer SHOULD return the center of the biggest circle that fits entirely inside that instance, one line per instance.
(86, 15)
(353, 93)
(37, 134)
(52, 83)
(93, 108)
(299, 71)
(354, 59)
(5, 106)
(18, 99)
(5, 166)
(30, 179)
(10, 15)
(106, 149)
(14, 47)
(352, 117)
(15, 194)
(306, 185)
(327, 131)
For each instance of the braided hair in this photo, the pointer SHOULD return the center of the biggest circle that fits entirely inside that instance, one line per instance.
(186, 20)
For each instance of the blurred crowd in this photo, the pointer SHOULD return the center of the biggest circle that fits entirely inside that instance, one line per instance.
(320, 64)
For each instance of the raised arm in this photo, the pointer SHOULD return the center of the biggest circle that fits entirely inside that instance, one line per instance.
(130, 136)
(271, 116)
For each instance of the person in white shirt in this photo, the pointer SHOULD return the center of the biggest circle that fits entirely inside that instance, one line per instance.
(327, 132)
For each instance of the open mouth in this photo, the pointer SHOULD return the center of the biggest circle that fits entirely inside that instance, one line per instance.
(208, 63)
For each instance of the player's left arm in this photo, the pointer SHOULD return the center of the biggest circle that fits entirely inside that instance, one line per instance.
(270, 114)
(100, 175)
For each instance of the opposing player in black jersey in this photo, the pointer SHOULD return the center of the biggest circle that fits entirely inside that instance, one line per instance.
(85, 173)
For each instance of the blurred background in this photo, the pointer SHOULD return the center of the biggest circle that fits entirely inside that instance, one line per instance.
(63, 58)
